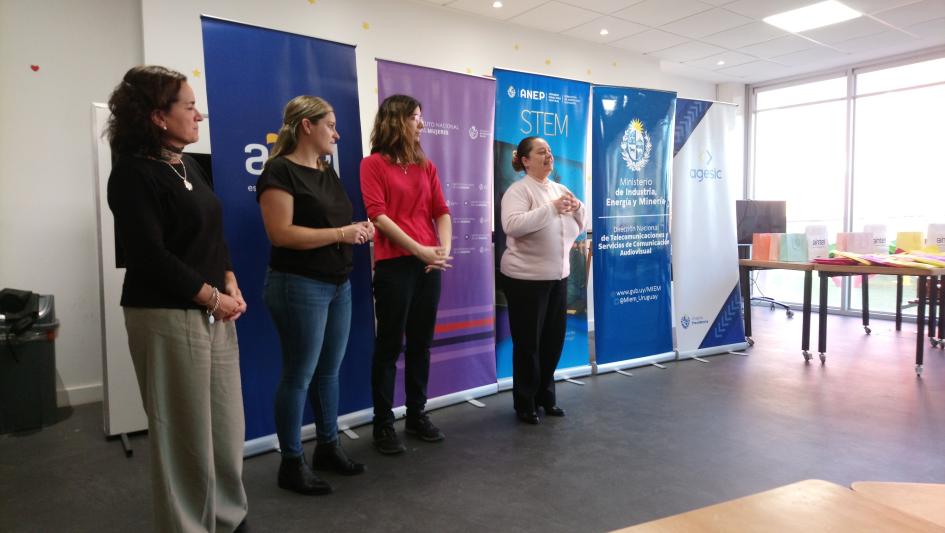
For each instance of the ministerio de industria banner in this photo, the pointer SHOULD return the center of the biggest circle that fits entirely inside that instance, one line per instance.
(252, 73)
(458, 111)
(632, 147)
(556, 110)
(708, 310)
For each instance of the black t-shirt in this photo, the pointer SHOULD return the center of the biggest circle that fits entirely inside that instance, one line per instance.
(172, 238)
(319, 201)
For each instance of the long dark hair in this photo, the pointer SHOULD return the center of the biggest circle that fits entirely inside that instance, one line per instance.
(143, 90)
(391, 134)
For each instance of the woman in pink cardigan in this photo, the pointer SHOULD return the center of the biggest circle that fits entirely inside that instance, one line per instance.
(541, 220)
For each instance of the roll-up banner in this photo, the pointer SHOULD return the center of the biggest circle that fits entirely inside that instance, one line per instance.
(708, 307)
(251, 74)
(632, 143)
(458, 112)
(556, 110)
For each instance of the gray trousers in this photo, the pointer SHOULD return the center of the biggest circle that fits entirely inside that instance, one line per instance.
(189, 375)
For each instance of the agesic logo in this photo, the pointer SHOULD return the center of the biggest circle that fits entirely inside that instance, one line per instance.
(707, 172)
(635, 147)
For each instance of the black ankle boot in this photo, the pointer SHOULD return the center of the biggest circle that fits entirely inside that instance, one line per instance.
(295, 475)
(330, 456)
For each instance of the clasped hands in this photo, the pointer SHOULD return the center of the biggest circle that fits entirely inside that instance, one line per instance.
(435, 257)
(567, 203)
(357, 233)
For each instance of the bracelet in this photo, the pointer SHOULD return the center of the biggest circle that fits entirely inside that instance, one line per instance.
(341, 239)
(215, 300)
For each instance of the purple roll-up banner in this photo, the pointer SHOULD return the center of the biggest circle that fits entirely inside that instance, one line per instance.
(458, 112)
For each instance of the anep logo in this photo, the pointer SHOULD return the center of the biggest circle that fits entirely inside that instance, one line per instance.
(635, 147)
(259, 154)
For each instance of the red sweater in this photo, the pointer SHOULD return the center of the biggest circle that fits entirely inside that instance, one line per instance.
(412, 199)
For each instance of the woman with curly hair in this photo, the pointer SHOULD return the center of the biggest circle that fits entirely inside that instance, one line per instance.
(180, 300)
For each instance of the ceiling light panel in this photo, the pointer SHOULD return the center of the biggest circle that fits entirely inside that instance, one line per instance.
(845, 31)
(813, 16)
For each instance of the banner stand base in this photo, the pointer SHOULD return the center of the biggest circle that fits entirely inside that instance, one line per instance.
(636, 363)
(349, 432)
(701, 360)
(737, 353)
(477, 403)
(624, 373)
(576, 382)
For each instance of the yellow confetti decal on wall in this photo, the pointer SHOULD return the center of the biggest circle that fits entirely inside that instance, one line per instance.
(548, 61)
(311, 2)
(271, 138)
(365, 25)
(196, 72)
(588, 72)
(515, 46)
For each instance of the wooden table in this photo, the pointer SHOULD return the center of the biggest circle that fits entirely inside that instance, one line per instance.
(805, 507)
(923, 275)
(745, 266)
(924, 500)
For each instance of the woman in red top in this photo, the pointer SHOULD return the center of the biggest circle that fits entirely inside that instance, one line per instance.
(403, 197)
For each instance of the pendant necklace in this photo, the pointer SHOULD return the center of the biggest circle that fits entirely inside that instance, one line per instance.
(403, 166)
(183, 177)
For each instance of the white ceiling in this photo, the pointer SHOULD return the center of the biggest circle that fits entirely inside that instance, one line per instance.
(690, 37)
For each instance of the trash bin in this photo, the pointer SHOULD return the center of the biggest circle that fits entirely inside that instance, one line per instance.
(28, 329)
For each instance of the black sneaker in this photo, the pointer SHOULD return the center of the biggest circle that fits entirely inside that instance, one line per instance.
(387, 442)
(421, 427)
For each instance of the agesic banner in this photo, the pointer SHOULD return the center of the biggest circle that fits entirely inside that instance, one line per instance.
(632, 149)
(252, 73)
(458, 112)
(708, 310)
(556, 110)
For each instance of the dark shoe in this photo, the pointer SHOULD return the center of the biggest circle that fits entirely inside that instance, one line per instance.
(242, 528)
(330, 456)
(421, 427)
(295, 475)
(529, 417)
(554, 410)
(387, 442)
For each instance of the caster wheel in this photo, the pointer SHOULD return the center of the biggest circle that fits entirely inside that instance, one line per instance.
(918, 370)
(823, 358)
(751, 342)
(867, 330)
(807, 355)
(790, 314)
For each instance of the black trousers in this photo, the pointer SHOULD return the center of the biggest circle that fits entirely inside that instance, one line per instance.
(405, 302)
(538, 320)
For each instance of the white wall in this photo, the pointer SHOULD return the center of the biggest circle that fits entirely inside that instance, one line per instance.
(411, 32)
(47, 209)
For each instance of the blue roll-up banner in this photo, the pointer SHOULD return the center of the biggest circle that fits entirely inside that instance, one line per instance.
(632, 147)
(251, 73)
(556, 110)
(708, 306)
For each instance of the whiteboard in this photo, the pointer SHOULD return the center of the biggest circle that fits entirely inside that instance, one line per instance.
(123, 410)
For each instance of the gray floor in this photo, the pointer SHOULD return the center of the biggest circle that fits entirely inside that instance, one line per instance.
(631, 449)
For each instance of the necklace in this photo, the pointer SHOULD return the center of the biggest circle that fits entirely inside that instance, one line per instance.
(183, 177)
(403, 166)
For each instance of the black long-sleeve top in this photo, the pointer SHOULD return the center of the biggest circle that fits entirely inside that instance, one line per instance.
(172, 237)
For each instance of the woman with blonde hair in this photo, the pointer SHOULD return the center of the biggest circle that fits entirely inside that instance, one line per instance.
(403, 197)
(307, 216)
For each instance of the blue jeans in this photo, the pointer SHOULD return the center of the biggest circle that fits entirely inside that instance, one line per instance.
(313, 319)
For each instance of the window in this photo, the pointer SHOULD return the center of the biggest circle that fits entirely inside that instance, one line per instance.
(846, 159)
